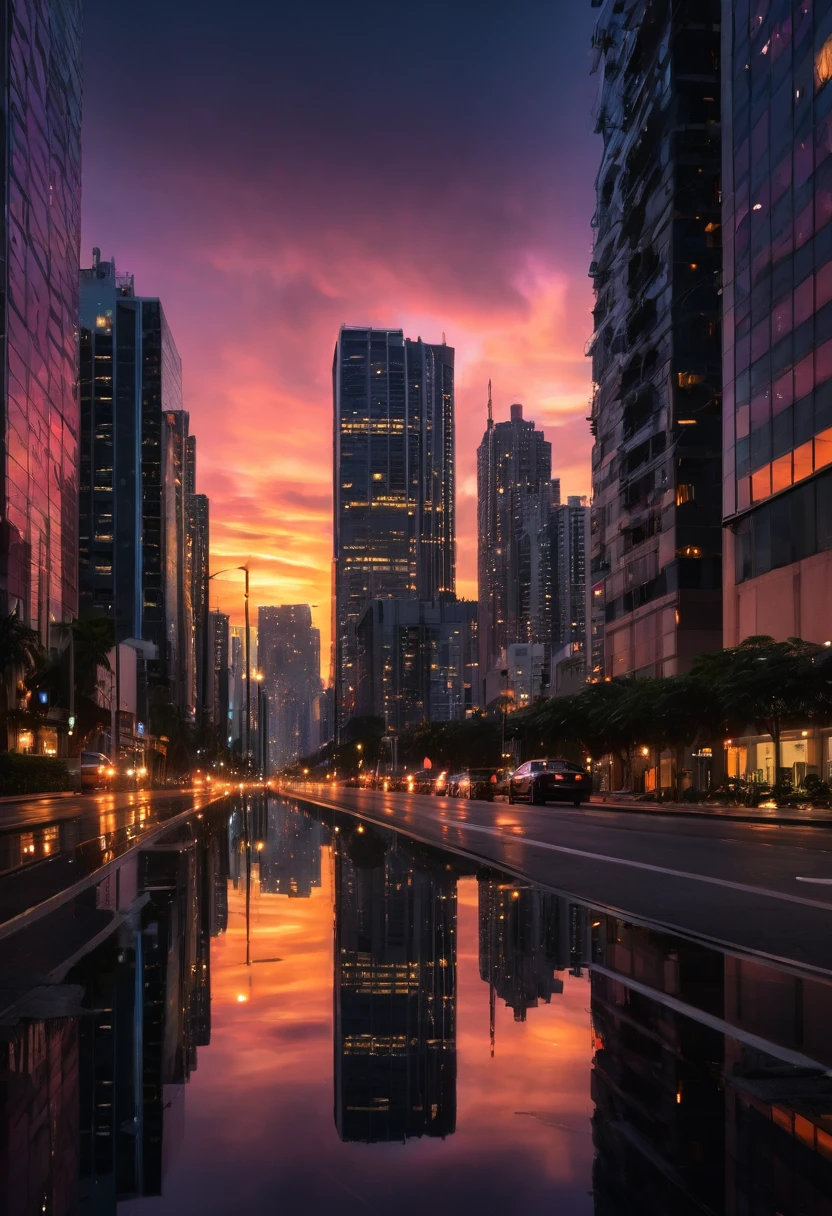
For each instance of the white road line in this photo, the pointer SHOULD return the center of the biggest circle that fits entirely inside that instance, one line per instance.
(821, 882)
(508, 837)
(644, 865)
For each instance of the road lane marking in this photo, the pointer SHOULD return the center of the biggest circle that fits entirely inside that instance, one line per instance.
(645, 865)
(508, 837)
(821, 882)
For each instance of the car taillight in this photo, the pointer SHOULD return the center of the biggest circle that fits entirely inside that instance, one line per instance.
(558, 776)
(578, 777)
(493, 778)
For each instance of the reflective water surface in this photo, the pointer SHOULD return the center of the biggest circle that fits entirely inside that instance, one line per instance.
(278, 1011)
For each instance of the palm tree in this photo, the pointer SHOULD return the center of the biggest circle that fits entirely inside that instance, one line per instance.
(21, 651)
(93, 638)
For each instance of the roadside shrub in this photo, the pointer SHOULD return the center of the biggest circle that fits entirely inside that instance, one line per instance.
(32, 774)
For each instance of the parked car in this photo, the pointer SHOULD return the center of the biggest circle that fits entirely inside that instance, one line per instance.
(93, 770)
(479, 783)
(542, 781)
(422, 781)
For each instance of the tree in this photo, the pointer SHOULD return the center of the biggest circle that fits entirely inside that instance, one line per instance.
(767, 684)
(21, 651)
(94, 638)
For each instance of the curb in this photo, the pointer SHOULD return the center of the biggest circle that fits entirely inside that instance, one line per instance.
(738, 816)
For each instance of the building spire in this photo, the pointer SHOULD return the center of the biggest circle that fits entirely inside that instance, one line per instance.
(490, 410)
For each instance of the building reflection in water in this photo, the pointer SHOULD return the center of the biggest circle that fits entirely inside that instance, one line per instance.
(527, 936)
(395, 989)
(709, 1081)
(91, 1106)
(710, 1073)
(290, 857)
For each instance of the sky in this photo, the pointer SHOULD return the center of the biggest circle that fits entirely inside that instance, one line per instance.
(272, 171)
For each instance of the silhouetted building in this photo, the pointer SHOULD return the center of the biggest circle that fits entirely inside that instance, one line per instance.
(134, 461)
(656, 347)
(415, 661)
(514, 487)
(394, 528)
(219, 636)
(40, 94)
(395, 994)
(289, 652)
(198, 546)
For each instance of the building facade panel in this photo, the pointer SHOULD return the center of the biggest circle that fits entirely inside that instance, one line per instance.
(40, 79)
(777, 219)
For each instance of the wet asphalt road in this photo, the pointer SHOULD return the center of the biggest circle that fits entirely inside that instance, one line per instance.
(731, 883)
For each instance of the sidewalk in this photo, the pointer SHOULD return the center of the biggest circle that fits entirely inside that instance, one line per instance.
(811, 817)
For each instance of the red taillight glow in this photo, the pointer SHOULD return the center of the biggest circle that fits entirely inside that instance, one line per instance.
(578, 777)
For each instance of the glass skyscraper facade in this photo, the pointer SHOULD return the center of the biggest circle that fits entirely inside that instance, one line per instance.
(40, 78)
(394, 528)
(134, 474)
(777, 293)
(656, 353)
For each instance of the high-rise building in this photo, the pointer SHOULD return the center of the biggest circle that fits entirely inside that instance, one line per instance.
(197, 563)
(40, 92)
(656, 358)
(416, 661)
(394, 530)
(134, 472)
(395, 993)
(514, 486)
(289, 649)
(777, 298)
(220, 674)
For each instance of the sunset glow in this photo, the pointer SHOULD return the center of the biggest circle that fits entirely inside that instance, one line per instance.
(262, 238)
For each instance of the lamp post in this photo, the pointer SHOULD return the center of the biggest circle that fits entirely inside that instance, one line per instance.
(504, 674)
(248, 657)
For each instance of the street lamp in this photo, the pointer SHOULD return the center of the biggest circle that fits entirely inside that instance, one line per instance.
(227, 570)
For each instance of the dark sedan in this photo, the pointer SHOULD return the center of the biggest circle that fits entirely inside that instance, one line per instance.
(475, 783)
(542, 781)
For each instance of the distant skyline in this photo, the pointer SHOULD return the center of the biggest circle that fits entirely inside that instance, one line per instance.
(303, 167)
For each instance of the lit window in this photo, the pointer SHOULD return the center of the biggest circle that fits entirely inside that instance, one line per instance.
(684, 493)
(823, 64)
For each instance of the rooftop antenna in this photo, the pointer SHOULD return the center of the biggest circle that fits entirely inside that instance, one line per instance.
(444, 343)
(490, 409)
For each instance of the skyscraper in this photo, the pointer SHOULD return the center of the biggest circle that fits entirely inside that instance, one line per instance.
(514, 470)
(656, 357)
(289, 652)
(416, 661)
(198, 545)
(777, 298)
(134, 472)
(394, 530)
(219, 675)
(40, 79)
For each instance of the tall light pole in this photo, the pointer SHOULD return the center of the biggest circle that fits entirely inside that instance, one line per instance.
(248, 657)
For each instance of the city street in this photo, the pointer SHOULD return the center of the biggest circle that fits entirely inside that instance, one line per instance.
(731, 883)
(49, 845)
